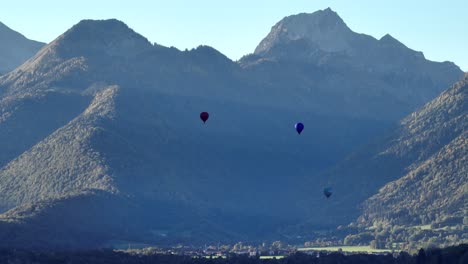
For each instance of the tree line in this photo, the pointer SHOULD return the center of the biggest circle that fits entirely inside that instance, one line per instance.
(456, 255)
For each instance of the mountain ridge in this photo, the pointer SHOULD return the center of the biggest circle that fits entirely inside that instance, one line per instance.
(15, 48)
(441, 143)
(133, 133)
(421, 169)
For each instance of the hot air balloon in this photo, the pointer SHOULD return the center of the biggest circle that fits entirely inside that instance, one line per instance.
(328, 192)
(204, 116)
(299, 127)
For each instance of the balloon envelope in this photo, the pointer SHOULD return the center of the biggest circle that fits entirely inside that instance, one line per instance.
(299, 127)
(328, 192)
(204, 116)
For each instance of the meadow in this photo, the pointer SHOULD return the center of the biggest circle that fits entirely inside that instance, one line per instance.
(366, 249)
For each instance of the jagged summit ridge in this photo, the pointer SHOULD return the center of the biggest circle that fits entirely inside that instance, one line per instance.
(324, 27)
(324, 32)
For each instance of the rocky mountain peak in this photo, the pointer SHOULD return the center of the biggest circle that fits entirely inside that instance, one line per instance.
(324, 28)
(389, 40)
(88, 41)
(101, 37)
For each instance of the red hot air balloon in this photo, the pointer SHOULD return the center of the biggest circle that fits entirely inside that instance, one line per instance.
(204, 116)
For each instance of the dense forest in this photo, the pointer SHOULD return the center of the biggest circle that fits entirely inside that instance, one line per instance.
(458, 254)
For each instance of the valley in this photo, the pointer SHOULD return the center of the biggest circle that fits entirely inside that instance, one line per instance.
(102, 141)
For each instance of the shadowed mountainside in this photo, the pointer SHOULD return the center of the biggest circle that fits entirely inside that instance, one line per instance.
(100, 114)
(15, 49)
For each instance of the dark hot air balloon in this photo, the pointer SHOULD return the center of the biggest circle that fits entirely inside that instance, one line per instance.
(299, 127)
(328, 192)
(204, 116)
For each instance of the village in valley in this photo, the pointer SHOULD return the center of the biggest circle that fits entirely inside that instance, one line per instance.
(276, 249)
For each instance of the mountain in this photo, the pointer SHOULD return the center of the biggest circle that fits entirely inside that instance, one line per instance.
(122, 118)
(423, 169)
(436, 182)
(353, 74)
(102, 143)
(15, 49)
(433, 190)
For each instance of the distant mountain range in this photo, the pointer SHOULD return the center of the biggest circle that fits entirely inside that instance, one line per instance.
(15, 49)
(101, 140)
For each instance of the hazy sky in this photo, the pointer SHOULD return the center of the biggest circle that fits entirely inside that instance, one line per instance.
(439, 29)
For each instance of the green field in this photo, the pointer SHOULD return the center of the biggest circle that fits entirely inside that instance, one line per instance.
(424, 227)
(271, 257)
(346, 249)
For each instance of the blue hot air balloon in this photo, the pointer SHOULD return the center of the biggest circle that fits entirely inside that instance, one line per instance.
(328, 192)
(299, 127)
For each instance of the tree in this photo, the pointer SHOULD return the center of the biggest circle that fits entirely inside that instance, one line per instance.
(373, 244)
(421, 258)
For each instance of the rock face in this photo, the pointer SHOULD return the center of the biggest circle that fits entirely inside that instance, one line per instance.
(353, 74)
(15, 49)
(324, 28)
(103, 124)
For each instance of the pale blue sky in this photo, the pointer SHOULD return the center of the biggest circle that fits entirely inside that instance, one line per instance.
(438, 29)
